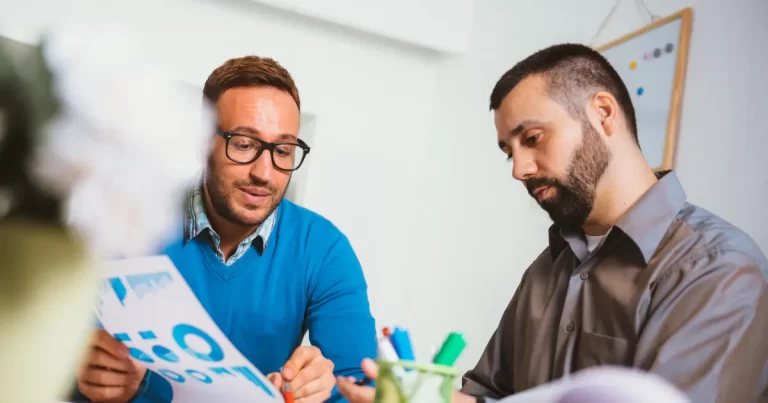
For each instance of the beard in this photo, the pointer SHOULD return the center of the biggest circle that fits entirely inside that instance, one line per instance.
(574, 198)
(223, 197)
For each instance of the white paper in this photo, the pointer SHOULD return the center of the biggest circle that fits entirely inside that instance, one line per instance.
(604, 384)
(146, 303)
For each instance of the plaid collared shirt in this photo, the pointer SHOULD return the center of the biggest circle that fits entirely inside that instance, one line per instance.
(197, 223)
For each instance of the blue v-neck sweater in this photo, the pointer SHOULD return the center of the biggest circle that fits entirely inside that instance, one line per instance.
(306, 279)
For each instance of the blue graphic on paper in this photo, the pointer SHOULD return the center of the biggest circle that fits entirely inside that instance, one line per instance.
(140, 355)
(171, 375)
(122, 337)
(143, 284)
(245, 371)
(181, 332)
(199, 376)
(165, 354)
(220, 371)
(119, 288)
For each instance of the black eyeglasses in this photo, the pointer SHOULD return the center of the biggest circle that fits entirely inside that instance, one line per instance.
(244, 149)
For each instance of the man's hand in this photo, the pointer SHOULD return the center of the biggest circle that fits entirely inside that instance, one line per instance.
(108, 373)
(365, 394)
(356, 393)
(308, 373)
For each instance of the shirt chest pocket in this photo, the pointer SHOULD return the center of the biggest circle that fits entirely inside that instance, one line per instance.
(597, 349)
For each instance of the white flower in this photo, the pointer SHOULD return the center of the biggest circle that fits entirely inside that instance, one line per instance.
(127, 146)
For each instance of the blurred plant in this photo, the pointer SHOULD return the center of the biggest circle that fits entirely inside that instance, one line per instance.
(97, 151)
(27, 103)
(93, 138)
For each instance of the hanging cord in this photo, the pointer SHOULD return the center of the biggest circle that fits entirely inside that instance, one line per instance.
(642, 4)
(607, 18)
(604, 23)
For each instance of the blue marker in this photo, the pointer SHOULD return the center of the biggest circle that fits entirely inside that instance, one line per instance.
(402, 344)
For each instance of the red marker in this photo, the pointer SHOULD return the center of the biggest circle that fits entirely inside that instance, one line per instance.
(287, 393)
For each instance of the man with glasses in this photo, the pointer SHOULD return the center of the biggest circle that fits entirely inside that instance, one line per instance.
(265, 269)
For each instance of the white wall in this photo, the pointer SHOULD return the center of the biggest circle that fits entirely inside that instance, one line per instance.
(404, 157)
(437, 25)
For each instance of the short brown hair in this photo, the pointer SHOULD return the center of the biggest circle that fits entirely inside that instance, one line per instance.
(249, 71)
(573, 73)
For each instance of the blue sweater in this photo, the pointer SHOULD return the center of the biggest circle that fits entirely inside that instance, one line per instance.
(307, 279)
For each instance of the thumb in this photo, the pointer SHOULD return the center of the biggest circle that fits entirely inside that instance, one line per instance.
(370, 368)
(299, 359)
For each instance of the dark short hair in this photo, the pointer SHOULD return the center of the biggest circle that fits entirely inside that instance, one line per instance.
(573, 72)
(249, 71)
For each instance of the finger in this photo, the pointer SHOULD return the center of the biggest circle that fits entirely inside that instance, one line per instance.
(321, 384)
(101, 358)
(276, 379)
(355, 393)
(138, 369)
(100, 393)
(104, 377)
(370, 368)
(318, 397)
(315, 369)
(301, 356)
(106, 342)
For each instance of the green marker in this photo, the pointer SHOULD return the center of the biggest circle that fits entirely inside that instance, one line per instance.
(450, 350)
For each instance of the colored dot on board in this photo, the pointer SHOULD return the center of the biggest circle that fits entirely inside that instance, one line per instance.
(640, 91)
(632, 65)
(669, 48)
(657, 52)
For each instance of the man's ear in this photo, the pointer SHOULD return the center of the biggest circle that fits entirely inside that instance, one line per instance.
(608, 110)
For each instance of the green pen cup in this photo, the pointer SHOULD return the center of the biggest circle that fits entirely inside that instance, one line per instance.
(408, 381)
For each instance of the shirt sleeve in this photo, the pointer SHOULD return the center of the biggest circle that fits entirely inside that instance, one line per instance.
(339, 318)
(706, 331)
(492, 376)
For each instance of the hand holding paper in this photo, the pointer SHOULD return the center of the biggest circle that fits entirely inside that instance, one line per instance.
(146, 304)
(109, 373)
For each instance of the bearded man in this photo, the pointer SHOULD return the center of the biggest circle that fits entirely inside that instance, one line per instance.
(634, 275)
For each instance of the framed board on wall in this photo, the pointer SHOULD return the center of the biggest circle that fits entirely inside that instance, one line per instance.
(652, 63)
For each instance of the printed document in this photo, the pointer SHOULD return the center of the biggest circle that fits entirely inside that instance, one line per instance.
(146, 304)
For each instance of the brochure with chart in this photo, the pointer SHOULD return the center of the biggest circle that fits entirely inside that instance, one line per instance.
(146, 304)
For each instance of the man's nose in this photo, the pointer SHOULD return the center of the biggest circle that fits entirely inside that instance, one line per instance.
(263, 168)
(523, 166)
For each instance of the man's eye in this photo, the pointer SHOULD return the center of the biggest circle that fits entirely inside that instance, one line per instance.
(243, 145)
(531, 140)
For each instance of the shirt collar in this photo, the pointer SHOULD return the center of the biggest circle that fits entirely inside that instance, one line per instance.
(197, 222)
(645, 224)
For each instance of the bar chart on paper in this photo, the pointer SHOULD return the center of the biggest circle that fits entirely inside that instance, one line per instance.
(146, 304)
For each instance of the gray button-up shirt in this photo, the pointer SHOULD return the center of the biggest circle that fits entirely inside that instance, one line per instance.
(672, 289)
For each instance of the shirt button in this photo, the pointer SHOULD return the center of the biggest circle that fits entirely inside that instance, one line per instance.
(584, 275)
(569, 327)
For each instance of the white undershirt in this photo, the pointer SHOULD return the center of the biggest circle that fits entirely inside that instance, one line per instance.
(593, 242)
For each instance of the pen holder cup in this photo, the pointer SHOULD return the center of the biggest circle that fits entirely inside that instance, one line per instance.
(411, 382)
